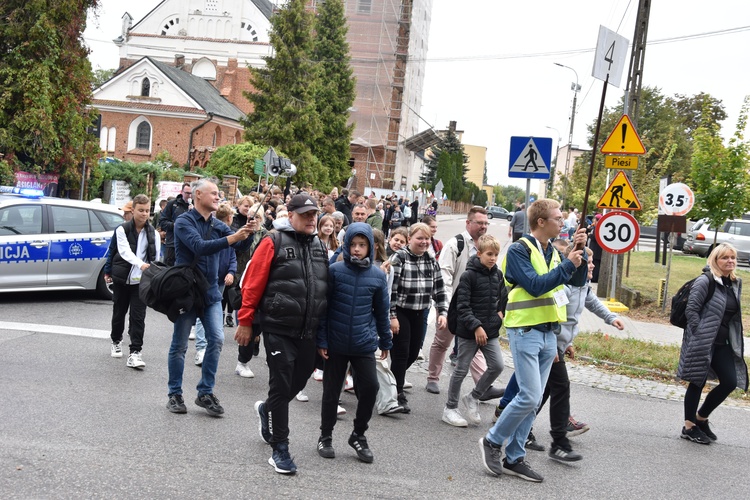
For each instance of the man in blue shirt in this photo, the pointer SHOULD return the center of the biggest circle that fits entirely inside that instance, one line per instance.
(199, 234)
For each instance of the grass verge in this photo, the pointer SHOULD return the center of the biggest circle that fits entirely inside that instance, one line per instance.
(635, 358)
(645, 276)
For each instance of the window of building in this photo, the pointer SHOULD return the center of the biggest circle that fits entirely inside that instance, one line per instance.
(168, 25)
(143, 136)
(205, 69)
(364, 6)
(111, 139)
(146, 87)
(217, 137)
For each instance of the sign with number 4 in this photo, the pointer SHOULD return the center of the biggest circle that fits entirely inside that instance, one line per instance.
(676, 199)
(611, 53)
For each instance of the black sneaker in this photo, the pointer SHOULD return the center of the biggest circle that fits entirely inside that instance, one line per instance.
(359, 443)
(532, 444)
(564, 454)
(176, 404)
(695, 434)
(492, 393)
(281, 460)
(404, 403)
(211, 404)
(263, 427)
(230, 320)
(498, 411)
(522, 470)
(325, 447)
(703, 425)
(491, 456)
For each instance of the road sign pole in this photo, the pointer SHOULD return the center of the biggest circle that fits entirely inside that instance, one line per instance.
(528, 195)
(593, 158)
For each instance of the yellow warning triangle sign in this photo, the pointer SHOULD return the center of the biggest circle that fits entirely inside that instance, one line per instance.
(619, 195)
(623, 139)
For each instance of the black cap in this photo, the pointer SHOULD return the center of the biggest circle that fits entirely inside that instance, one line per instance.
(302, 203)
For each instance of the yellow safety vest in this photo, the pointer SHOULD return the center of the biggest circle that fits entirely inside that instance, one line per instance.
(523, 309)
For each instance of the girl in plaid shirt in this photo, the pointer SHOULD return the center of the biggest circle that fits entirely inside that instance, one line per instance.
(416, 280)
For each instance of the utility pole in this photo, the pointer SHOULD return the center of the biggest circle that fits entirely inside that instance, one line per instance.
(632, 107)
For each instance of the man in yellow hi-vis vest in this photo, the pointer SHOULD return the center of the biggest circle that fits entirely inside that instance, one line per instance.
(536, 307)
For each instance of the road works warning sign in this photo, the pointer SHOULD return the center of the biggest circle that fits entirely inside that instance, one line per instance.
(620, 195)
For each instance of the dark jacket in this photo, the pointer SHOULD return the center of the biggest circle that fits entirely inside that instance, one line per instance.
(478, 300)
(204, 238)
(294, 299)
(343, 206)
(120, 267)
(703, 325)
(169, 215)
(357, 322)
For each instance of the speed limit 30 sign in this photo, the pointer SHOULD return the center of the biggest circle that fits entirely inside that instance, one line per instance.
(617, 232)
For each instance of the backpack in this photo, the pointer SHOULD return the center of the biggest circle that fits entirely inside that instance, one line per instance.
(680, 299)
(173, 290)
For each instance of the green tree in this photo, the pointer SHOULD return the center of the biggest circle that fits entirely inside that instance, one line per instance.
(336, 93)
(450, 144)
(101, 76)
(720, 177)
(239, 160)
(45, 87)
(508, 196)
(285, 115)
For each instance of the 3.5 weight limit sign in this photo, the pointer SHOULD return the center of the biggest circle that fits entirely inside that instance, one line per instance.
(617, 232)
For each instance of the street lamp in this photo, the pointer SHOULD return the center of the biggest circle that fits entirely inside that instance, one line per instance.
(575, 88)
(553, 170)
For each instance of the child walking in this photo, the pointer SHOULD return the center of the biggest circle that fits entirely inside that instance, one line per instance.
(478, 299)
(357, 324)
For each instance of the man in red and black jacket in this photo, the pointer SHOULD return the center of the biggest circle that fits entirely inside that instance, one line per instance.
(286, 298)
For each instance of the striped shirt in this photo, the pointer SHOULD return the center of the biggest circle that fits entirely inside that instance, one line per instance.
(416, 280)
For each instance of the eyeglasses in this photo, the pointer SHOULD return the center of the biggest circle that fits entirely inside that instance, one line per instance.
(559, 220)
(482, 224)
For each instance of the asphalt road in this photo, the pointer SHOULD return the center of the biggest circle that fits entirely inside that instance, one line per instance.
(77, 423)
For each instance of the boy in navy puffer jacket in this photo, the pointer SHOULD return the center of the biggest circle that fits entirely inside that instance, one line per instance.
(357, 324)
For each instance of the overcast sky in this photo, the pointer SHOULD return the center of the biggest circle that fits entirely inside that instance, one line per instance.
(490, 62)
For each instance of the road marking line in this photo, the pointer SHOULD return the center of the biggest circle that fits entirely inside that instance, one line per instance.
(65, 330)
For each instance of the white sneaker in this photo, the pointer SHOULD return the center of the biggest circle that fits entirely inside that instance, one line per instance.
(472, 414)
(199, 357)
(340, 410)
(420, 356)
(192, 334)
(301, 396)
(408, 385)
(318, 375)
(451, 416)
(135, 361)
(349, 385)
(243, 370)
(116, 350)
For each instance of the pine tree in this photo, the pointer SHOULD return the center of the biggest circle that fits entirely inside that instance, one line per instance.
(45, 87)
(336, 92)
(449, 144)
(285, 115)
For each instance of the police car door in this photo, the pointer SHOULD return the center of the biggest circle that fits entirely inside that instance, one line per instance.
(77, 243)
(24, 251)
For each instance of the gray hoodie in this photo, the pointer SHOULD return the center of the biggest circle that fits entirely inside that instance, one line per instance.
(580, 297)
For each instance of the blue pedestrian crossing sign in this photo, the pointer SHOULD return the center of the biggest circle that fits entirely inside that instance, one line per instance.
(530, 157)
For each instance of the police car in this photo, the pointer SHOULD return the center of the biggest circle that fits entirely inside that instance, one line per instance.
(52, 243)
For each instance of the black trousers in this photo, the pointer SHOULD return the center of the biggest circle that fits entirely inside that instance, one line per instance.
(290, 363)
(722, 363)
(558, 392)
(366, 388)
(126, 297)
(406, 344)
(169, 255)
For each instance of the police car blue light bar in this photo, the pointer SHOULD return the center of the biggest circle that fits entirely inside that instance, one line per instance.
(29, 192)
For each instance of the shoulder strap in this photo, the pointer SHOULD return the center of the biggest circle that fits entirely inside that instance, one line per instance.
(460, 243)
(711, 286)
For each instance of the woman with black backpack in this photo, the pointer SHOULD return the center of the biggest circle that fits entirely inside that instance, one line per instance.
(712, 345)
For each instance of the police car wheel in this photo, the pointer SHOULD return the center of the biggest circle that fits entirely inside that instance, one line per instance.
(103, 288)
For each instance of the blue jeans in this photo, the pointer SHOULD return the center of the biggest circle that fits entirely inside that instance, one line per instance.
(510, 391)
(200, 332)
(213, 322)
(533, 352)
